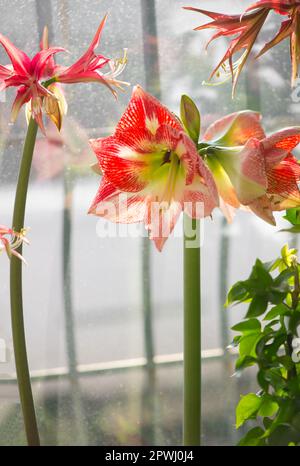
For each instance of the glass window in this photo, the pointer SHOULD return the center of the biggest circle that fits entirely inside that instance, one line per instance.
(98, 309)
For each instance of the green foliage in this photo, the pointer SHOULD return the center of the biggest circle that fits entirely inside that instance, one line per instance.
(264, 339)
(293, 216)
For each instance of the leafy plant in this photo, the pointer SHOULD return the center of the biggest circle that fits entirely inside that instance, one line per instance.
(267, 339)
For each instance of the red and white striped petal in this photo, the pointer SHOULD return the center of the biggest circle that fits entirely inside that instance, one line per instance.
(160, 220)
(117, 206)
(279, 145)
(146, 112)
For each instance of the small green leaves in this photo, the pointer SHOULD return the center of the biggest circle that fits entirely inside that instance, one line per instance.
(247, 408)
(272, 319)
(190, 118)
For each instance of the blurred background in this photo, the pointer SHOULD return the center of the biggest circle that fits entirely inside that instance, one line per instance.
(104, 315)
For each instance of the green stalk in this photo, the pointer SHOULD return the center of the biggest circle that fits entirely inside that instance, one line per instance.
(17, 319)
(192, 336)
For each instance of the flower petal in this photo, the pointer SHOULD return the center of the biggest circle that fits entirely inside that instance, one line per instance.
(283, 182)
(262, 208)
(277, 146)
(160, 220)
(23, 96)
(277, 5)
(5, 72)
(39, 61)
(124, 174)
(82, 63)
(18, 58)
(118, 207)
(146, 112)
(224, 185)
(235, 129)
(284, 32)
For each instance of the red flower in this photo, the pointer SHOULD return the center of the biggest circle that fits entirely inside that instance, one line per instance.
(37, 79)
(26, 74)
(246, 28)
(153, 161)
(289, 29)
(251, 169)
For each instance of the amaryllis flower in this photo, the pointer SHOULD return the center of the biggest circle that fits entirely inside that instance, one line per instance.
(250, 168)
(245, 30)
(26, 74)
(38, 79)
(10, 240)
(54, 104)
(151, 170)
(290, 28)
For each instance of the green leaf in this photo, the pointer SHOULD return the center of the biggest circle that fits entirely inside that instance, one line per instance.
(267, 422)
(253, 438)
(268, 407)
(274, 377)
(257, 306)
(190, 117)
(261, 274)
(279, 310)
(237, 293)
(248, 326)
(270, 351)
(248, 406)
(286, 361)
(247, 346)
(293, 216)
(243, 362)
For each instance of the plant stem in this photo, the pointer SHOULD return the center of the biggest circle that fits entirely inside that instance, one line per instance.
(17, 318)
(192, 335)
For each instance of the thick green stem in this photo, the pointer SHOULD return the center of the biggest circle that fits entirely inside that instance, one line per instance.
(192, 334)
(17, 318)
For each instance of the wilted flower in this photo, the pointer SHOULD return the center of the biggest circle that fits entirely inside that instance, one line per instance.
(246, 27)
